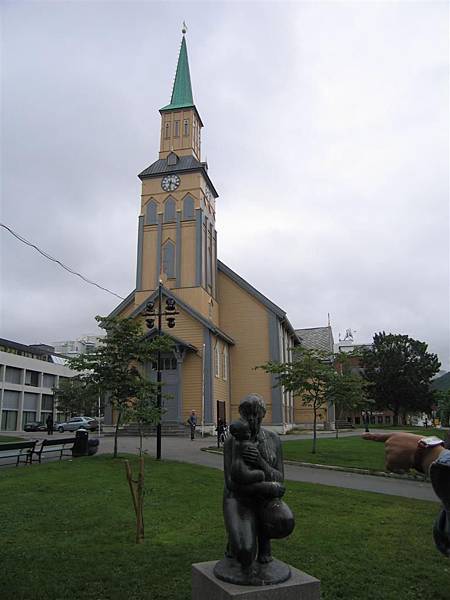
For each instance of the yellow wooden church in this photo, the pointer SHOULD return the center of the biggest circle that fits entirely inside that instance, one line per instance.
(225, 327)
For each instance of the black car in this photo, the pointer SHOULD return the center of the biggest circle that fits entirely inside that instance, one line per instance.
(35, 426)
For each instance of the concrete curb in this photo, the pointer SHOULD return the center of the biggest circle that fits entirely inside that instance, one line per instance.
(295, 463)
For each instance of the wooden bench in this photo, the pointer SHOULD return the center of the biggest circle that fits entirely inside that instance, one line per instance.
(55, 445)
(18, 450)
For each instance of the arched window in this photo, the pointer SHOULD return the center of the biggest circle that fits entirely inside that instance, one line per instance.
(168, 258)
(225, 362)
(169, 210)
(217, 360)
(151, 217)
(167, 131)
(188, 207)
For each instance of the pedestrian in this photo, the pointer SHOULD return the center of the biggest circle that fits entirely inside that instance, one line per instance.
(49, 423)
(192, 422)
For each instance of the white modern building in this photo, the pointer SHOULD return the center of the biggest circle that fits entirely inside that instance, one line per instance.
(82, 345)
(28, 375)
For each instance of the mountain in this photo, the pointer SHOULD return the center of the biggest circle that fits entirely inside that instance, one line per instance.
(442, 382)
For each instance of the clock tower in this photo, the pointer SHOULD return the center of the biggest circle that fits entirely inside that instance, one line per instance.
(177, 239)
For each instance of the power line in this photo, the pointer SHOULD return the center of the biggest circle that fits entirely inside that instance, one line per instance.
(48, 257)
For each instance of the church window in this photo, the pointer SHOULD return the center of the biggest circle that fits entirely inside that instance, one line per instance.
(225, 363)
(188, 207)
(217, 360)
(151, 218)
(167, 131)
(177, 129)
(186, 127)
(168, 259)
(169, 210)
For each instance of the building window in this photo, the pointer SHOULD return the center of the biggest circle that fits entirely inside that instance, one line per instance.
(357, 420)
(387, 420)
(151, 217)
(169, 210)
(167, 134)
(9, 420)
(186, 127)
(380, 420)
(216, 360)
(177, 129)
(47, 402)
(225, 363)
(13, 375)
(48, 380)
(28, 417)
(188, 208)
(167, 364)
(168, 258)
(32, 378)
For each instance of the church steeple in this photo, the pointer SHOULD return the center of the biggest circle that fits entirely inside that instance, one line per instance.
(182, 88)
(180, 121)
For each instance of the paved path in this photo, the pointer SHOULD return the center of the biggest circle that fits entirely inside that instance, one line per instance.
(185, 450)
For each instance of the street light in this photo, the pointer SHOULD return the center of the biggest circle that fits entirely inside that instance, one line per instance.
(150, 314)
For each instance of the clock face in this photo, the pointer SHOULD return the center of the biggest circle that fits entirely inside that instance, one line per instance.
(170, 183)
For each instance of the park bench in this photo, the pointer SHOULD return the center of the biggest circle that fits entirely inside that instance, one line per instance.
(18, 450)
(57, 445)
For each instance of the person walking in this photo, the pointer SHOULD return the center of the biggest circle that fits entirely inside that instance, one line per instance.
(49, 423)
(192, 422)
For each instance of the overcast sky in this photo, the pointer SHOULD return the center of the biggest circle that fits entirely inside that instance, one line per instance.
(327, 138)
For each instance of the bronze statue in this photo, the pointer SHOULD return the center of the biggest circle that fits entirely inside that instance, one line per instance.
(253, 510)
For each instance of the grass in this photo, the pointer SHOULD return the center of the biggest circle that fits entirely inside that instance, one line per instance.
(69, 535)
(9, 438)
(344, 452)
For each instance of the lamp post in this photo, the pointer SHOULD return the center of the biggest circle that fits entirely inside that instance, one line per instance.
(367, 420)
(169, 313)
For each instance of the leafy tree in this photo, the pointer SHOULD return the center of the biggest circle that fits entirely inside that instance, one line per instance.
(76, 396)
(399, 370)
(346, 386)
(308, 376)
(115, 368)
(443, 404)
(143, 409)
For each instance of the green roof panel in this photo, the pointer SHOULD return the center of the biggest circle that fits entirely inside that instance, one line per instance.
(182, 89)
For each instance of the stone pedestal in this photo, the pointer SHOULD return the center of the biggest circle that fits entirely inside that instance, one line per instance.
(205, 586)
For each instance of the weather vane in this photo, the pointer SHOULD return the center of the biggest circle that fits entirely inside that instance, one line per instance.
(183, 31)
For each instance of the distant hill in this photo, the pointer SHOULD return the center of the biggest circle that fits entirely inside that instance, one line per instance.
(442, 382)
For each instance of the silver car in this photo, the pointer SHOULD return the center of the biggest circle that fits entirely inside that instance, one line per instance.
(77, 423)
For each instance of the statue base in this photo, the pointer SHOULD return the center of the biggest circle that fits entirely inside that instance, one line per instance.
(269, 573)
(206, 586)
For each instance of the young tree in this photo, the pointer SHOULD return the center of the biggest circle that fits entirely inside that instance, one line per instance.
(346, 387)
(76, 396)
(143, 410)
(399, 370)
(115, 368)
(307, 376)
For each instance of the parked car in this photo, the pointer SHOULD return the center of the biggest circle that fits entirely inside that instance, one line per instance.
(35, 426)
(76, 423)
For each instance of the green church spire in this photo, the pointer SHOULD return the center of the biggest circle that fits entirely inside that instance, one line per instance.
(182, 89)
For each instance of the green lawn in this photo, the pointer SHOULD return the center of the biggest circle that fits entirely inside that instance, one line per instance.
(69, 534)
(342, 452)
(9, 438)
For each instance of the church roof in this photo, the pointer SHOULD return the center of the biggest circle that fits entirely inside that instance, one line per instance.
(316, 338)
(182, 88)
(184, 164)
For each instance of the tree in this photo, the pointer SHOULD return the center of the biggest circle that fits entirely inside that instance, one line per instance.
(307, 376)
(116, 367)
(346, 386)
(76, 396)
(143, 409)
(443, 404)
(399, 370)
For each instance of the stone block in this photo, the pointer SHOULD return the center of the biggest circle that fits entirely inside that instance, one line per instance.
(205, 586)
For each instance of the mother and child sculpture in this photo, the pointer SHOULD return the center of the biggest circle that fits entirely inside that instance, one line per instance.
(253, 510)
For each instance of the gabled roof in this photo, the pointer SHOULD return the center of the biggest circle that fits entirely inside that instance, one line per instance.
(182, 88)
(178, 341)
(316, 338)
(122, 305)
(279, 312)
(192, 312)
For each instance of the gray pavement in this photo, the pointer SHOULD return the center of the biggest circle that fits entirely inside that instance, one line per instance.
(182, 449)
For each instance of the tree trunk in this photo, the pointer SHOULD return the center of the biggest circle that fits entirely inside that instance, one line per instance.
(314, 431)
(116, 433)
(137, 495)
(395, 419)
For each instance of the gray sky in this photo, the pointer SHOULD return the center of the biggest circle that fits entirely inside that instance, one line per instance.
(327, 138)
